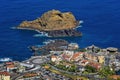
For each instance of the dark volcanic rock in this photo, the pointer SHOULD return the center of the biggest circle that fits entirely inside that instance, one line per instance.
(56, 45)
(64, 33)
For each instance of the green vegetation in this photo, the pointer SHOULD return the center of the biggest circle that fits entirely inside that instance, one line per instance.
(45, 64)
(51, 63)
(113, 79)
(73, 77)
(81, 50)
(67, 66)
(70, 68)
(106, 71)
(90, 69)
(97, 50)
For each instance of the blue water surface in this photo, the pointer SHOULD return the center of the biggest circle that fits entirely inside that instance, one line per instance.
(101, 24)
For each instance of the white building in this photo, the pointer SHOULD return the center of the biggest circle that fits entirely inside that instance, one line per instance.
(73, 46)
(27, 65)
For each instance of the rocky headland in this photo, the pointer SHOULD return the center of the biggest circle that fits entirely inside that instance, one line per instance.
(54, 45)
(55, 23)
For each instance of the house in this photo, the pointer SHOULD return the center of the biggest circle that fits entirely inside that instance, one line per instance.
(28, 65)
(68, 52)
(21, 69)
(83, 62)
(9, 63)
(56, 59)
(66, 57)
(97, 57)
(28, 75)
(4, 76)
(77, 56)
(73, 46)
(53, 58)
(93, 48)
(101, 59)
(91, 56)
(10, 66)
(95, 65)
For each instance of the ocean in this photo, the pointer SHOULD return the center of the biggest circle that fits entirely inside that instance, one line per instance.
(101, 25)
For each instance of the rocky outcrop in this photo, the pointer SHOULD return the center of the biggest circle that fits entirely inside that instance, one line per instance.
(56, 45)
(64, 33)
(53, 22)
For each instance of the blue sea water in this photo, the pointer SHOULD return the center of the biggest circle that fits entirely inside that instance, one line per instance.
(101, 24)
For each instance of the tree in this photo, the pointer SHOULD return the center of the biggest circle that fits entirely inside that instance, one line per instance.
(14, 70)
(73, 68)
(106, 71)
(90, 69)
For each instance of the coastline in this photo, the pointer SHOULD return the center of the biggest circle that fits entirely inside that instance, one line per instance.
(61, 48)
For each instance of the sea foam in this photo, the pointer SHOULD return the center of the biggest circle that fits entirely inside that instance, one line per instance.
(41, 34)
(5, 59)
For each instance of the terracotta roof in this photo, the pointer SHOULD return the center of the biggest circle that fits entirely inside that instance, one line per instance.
(65, 56)
(5, 73)
(10, 66)
(30, 74)
(53, 56)
(76, 55)
(84, 61)
(9, 63)
(95, 65)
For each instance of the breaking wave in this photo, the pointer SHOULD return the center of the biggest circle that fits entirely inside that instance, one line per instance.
(41, 34)
(5, 59)
(81, 21)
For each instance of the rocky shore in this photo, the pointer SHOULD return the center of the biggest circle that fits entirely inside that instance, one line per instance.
(55, 45)
(55, 23)
(64, 33)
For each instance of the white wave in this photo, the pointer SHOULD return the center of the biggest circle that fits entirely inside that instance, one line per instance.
(5, 59)
(79, 26)
(42, 34)
(48, 41)
(81, 21)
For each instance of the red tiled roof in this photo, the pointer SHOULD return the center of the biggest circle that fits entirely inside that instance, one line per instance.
(76, 55)
(5, 73)
(95, 65)
(53, 56)
(9, 63)
(84, 61)
(65, 56)
(30, 74)
(10, 66)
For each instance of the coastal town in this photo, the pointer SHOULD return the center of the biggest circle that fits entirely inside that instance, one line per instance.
(61, 60)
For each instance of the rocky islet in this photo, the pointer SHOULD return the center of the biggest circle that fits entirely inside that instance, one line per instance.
(55, 23)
